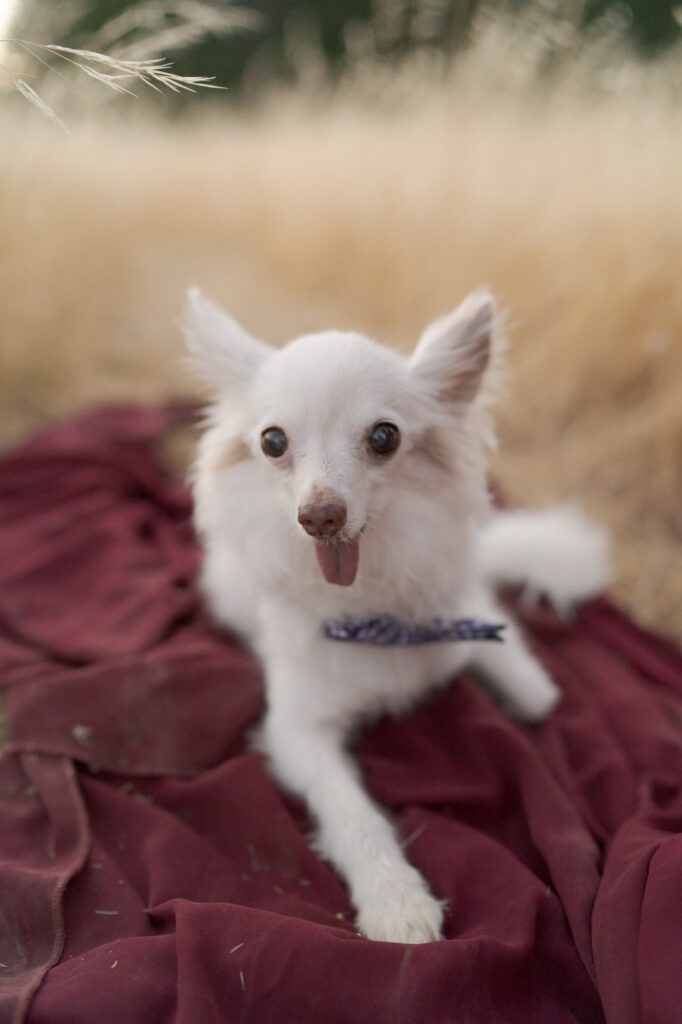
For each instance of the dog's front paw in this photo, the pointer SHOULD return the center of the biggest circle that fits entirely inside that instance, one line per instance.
(402, 911)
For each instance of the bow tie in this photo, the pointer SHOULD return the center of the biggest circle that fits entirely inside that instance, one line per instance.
(387, 631)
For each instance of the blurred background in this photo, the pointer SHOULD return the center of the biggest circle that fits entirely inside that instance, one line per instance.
(364, 164)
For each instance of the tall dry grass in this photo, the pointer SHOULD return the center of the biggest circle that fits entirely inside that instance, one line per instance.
(381, 215)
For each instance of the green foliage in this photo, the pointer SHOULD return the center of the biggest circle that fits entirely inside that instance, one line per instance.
(267, 46)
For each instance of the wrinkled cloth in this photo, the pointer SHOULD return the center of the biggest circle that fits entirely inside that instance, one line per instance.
(151, 871)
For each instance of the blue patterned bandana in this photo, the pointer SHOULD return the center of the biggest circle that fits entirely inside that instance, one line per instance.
(386, 631)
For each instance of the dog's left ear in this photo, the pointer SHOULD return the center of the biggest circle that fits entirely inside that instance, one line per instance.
(453, 352)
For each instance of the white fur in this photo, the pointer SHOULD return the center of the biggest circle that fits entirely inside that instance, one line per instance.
(428, 547)
(557, 553)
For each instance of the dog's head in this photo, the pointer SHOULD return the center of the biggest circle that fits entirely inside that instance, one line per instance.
(343, 428)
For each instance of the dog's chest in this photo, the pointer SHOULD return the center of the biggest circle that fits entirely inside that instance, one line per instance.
(349, 681)
(391, 680)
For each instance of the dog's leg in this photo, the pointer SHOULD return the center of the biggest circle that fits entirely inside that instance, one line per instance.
(525, 689)
(392, 899)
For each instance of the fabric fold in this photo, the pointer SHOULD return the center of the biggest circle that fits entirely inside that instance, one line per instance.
(150, 870)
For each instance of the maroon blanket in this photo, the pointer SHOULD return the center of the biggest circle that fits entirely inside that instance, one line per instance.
(150, 871)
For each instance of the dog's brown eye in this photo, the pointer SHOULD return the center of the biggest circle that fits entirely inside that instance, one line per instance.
(274, 442)
(384, 438)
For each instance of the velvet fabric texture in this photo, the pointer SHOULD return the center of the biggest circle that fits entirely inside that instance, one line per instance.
(150, 870)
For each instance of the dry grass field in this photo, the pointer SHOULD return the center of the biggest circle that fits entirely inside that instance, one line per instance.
(360, 213)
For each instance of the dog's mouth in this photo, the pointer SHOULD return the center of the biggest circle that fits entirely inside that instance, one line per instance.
(338, 560)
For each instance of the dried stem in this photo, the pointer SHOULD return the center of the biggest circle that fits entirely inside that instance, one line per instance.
(110, 71)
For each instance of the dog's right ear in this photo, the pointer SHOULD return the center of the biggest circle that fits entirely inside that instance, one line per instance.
(222, 352)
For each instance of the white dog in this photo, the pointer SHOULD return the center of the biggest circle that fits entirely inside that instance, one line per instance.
(340, 482)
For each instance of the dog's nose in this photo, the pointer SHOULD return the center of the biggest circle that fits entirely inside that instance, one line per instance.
(322, 520)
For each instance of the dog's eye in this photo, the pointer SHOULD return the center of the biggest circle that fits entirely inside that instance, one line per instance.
(274, 442)
(384, 438)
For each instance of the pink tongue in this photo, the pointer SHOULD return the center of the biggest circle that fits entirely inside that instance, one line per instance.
(338, 562)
